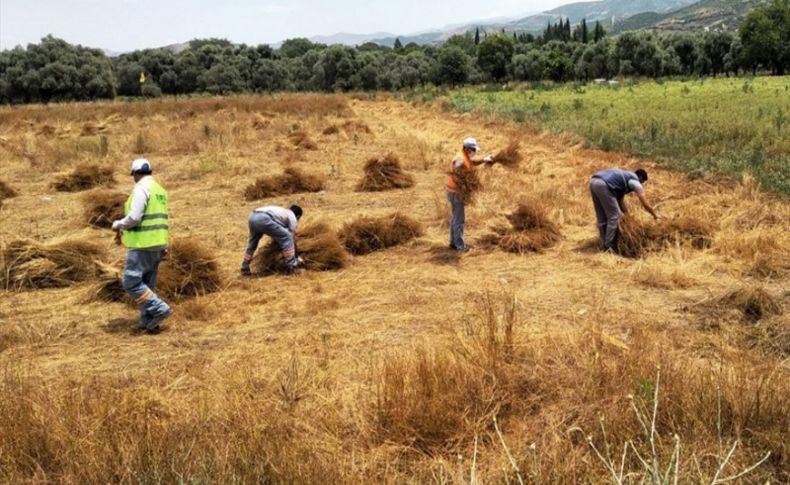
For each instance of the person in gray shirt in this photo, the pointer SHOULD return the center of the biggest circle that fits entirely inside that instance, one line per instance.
(608, 189)
(280, 224)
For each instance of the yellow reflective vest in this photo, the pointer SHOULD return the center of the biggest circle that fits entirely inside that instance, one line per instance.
(152, 231)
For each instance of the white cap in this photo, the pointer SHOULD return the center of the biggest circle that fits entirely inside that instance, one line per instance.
(142, 166)
(471, 143)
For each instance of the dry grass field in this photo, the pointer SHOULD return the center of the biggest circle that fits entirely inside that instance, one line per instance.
(411, 364)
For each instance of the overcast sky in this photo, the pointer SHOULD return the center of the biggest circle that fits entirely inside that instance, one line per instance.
(123, 25)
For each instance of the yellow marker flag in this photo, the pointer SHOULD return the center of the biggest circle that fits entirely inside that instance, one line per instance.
(142, 77)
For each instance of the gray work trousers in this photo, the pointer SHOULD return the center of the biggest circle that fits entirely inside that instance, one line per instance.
(262, 223)
(607, 212)
(457, 220)
(139, 281)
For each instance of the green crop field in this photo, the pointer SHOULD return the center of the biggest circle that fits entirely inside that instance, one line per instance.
(726, 126)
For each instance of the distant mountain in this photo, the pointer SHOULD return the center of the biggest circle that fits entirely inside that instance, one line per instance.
(609, 9)
(176, 48)
(705, 15)
(349, 39)
(432, 36)
(605, 11)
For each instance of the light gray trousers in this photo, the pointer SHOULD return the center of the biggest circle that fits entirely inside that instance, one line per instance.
(260, 224)
(607, 212)
(139, 281)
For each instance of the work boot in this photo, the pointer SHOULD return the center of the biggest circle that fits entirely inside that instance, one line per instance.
(154, 327)
(246, 272)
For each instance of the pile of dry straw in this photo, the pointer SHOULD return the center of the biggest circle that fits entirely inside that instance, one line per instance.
(6, 192)
(28, 264)
(638, 237)
(84, 176)
(318, 245)
(291, 181)
(384, 174)
(301, 139)
(531, 230)
(189, 270)
(468, 183)
(368, 234)
(102, 207)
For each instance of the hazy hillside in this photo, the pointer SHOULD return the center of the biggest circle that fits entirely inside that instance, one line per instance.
(604, 11)
(725, 15)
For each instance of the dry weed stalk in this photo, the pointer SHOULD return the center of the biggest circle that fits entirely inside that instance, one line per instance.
(653, 471)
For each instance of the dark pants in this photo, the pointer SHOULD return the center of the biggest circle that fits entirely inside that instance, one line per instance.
(607, 212)
(458, 217)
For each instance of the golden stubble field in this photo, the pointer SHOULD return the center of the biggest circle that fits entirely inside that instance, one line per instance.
(393, 368)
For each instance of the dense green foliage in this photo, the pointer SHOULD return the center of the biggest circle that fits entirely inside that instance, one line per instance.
(54, 70)
(721, 126)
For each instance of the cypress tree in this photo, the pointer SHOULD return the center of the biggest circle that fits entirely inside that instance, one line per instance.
(599, 33)
(585, 34)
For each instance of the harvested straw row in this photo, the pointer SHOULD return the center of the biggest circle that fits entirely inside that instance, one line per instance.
(85, 176)
(292, 181)
(350, 126)
(368, 234)
(531, 230)
(259, 122)
(189, 270)
(753, 302)
(28, 264)
(384, 174)
(318, 245)
(637, 237)
(6, 192)
(301, 139)
(102, 207)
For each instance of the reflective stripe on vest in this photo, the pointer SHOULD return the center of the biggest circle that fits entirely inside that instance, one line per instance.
(452, 186)
(153, 229)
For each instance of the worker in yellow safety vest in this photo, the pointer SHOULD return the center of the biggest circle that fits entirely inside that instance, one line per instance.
(144, 232)
(463, 161)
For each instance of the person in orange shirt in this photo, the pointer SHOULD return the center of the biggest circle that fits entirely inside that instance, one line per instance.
(463, 161)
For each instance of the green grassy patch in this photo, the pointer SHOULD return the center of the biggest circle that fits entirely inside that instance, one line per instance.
(725, 126)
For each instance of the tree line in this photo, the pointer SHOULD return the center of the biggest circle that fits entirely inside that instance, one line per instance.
(54, 70)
